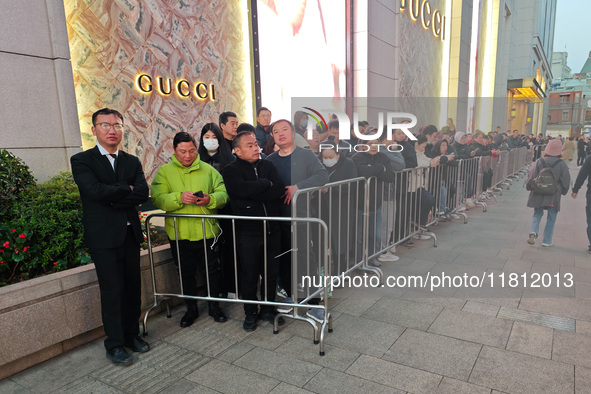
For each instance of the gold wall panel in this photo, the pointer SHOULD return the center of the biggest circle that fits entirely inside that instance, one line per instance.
(112, 41)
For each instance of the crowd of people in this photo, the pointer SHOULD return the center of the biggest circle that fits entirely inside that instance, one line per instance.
(255, 171)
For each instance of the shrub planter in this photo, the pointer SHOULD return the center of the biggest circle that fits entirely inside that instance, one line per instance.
(44, 317)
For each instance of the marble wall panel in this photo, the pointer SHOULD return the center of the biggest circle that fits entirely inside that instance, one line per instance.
(195, 40)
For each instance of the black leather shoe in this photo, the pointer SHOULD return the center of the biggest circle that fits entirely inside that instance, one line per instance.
(270, 317)
(250, 323)
(119, 356)
(137, 344)
(189, 317)
(216, 312)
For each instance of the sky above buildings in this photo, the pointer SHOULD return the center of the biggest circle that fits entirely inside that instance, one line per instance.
(572, 30)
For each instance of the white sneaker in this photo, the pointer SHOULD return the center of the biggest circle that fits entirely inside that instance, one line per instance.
(422, 236)
(316, 314)
(454, 216)
(285, 308)
(374, 263)
(392, 249)
(388, 257)
(544, 244)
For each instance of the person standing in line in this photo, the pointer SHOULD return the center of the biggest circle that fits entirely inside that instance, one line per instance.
(581, 155)
(549, 202)
(568, 150)
(111, 183)
(186, 185)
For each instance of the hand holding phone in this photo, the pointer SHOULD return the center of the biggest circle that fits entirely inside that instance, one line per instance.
(198, 194)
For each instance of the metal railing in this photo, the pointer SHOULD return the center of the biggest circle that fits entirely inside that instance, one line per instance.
(299, 304)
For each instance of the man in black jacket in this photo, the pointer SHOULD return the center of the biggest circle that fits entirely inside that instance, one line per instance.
(255, 189)
(111, 183)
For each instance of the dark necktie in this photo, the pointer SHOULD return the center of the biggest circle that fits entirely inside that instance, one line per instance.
(114, 156)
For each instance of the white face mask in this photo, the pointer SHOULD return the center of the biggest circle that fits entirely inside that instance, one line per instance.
(211, 144)
(330, 162)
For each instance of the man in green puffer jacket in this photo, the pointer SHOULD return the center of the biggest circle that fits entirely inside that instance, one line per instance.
(175, 189)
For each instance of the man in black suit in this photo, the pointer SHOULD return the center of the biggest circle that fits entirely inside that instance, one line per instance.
(111, 183)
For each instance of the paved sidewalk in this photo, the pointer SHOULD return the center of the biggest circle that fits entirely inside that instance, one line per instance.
(389, 340)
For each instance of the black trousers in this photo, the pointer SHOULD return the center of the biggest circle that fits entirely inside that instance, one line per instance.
(118, 272)
(581, 157)
(251, 248)
(192, 260)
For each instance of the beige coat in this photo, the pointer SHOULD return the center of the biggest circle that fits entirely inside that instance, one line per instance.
(568, 150)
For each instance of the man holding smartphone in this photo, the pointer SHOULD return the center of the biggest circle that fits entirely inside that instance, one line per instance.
(187, 185)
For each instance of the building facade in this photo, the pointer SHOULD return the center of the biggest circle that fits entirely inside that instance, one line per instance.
(172, 65)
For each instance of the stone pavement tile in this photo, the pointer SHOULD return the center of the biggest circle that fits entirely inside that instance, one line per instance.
(476, 253)
(517, 266)
(582, 379)
(184, 386)
(530, 339)
(510, 253)
(210, 338)
(512, 372)
(88, 385)
(472, 327)
(456, 269)
(233, 353)
(231, 379)
(63, 369)
(159, 326)
(333, 382)
(579, 274)
(431, 254)
(285, 388)
(403, 313)
(583, 259)
(434, 353)
(335, 358)
(583, 327)
(481, 308)
(278, 366)
(363, 335)
(554, 255)
(265, 339)
(355, 305)
(564, 307)
(444, 302)
(413, 266)
(582, 289)
(453, 386)
(571, 348)
(153, 371)
(7, 386)
(475, 259)
(394, 375)
(509, 298)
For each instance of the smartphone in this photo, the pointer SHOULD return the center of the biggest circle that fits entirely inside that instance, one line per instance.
(198, 194)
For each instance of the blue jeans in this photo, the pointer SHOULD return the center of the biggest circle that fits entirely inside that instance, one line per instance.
(374, 239)
(551, 219)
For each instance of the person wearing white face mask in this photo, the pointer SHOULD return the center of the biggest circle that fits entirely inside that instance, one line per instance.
(210, 150)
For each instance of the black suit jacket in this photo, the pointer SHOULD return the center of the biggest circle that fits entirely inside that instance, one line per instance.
(108, 201)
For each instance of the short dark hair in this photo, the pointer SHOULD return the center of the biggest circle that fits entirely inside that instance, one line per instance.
(225, 115)
(333, 124)
(238, 138)
(106, 111)
(272, 126)
(245, 127)
(263, 109)
(421, 139)
(183, 136)
(428, 130)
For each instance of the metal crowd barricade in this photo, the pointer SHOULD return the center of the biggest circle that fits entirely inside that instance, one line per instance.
(320, 286)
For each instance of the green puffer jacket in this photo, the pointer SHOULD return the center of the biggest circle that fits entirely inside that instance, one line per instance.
(171, 180)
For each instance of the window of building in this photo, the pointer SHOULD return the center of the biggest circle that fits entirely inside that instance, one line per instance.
(564, 115)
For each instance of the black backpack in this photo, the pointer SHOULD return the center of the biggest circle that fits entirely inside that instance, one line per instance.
(547, 180)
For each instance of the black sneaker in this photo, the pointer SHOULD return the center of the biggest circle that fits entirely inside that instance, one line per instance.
(189, 317)
(250, 322)
(270, 317)
(119, 356)
(216, 312)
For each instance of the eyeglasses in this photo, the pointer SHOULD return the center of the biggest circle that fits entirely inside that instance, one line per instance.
(106, 126)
